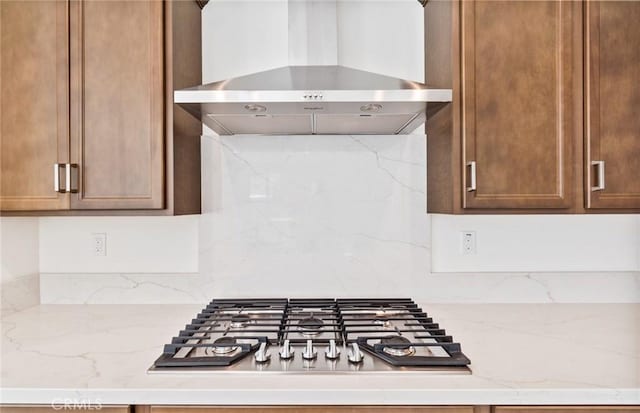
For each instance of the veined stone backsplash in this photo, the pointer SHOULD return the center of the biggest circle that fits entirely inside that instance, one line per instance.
(19, 271)
(323, 216)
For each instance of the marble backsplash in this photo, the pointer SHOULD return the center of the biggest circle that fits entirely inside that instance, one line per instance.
(324, 216)
(19, 272)
(432, 288)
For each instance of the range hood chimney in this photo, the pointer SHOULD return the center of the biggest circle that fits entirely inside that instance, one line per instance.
(315, 95)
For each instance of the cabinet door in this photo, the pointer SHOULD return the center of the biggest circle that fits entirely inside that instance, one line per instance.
(521, 83)
(567, 409)
(117, 117)
(305, 409)
(613, 98)
(34, 87)
(64, 405)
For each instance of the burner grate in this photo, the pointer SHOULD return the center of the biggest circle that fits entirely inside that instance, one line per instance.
(394, 330)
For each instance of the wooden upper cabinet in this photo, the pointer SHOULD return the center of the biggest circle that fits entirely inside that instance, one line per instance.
(612, 161)
(117, 104)
(34, 126)
(89, 85)
(520, 84)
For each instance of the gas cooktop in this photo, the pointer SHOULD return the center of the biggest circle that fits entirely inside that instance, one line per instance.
(312, 336)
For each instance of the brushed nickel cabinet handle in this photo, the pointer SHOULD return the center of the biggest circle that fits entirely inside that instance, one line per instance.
(56, 177)
(70, 177)
(67, 177)
(472, 176)
(71, 181)
(600, 167)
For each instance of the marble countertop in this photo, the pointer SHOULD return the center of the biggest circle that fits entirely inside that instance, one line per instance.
(520, 353)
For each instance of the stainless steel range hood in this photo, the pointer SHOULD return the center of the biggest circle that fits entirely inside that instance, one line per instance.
(305, 100)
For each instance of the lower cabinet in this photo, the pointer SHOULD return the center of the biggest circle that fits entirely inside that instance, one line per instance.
(388, 409)
(61, 406)
(57, 407)
(311, 409)
(565, 409)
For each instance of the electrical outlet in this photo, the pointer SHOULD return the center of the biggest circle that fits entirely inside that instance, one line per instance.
(99, 244)
(468, 242)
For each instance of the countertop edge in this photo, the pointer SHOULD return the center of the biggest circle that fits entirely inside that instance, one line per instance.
(587, 396)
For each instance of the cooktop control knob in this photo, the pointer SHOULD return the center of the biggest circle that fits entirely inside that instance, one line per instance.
(355, 355)
(332, 352)
(286, 352)
(262, 355)
(309, 353)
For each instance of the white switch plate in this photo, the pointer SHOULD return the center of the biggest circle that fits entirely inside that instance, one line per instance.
(99, 244)
(468, 242)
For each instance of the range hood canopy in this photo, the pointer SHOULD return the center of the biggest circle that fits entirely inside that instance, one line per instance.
(304, 100)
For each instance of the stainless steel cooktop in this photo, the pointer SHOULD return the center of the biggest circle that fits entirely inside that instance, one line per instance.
(312, 336)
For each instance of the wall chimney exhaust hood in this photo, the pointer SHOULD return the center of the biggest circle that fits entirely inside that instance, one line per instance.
(306, 100)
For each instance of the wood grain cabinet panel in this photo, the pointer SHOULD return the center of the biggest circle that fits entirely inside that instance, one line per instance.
(612, 47)
(91, 83)
(566, 409)
(518, 81)
(117, 103)
(51, 409)
(34, 125)
(512, 139)
(308, 409)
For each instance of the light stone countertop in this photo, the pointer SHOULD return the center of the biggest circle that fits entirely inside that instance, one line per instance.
(520, 353)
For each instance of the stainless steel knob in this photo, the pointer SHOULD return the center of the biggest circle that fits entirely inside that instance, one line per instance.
(355, 355)
(286, 352)
(309, 353)
(332, 352)
(262, 355)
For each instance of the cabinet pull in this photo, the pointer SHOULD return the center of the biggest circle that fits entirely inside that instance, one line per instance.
(71, 182)
(600, 171)
(472, 176)
(70, 177)
(56, 177)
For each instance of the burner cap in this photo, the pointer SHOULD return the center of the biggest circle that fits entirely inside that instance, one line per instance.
(310, 326)
(227, 342)
(401, 346)
(382, 313)
(239, 320)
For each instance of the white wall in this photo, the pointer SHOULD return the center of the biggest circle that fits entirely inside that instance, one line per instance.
(338, 215)
(246, 36)
(382, 36)
(313, 32)
(243, 36)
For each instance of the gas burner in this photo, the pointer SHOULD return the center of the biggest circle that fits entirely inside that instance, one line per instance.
(310, 326)
(223, 346)
(240, 320)
(401, 346)
(382, 323)
(386, 313)
(346, 335)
